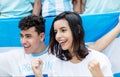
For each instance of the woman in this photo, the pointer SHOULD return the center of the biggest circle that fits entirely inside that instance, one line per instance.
(74, 58)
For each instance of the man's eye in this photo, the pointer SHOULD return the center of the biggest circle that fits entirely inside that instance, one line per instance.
(28, 36)
(21, 35)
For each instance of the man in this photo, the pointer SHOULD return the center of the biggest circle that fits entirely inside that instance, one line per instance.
(17, 62)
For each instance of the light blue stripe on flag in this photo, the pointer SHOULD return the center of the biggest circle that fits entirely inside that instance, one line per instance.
(95, 26)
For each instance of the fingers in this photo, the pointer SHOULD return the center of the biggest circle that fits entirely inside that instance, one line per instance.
(94, 67)
(37, 67)
(37, 64)
(93, 64)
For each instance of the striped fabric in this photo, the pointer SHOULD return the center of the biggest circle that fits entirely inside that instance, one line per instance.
(102, 6)
(15, 8)
(54, 7)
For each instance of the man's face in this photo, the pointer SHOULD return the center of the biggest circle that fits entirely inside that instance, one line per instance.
(31, 40)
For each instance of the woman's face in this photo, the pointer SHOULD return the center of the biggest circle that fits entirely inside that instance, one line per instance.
(63, 34)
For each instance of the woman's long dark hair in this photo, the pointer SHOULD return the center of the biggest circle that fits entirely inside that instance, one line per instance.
(75, 24)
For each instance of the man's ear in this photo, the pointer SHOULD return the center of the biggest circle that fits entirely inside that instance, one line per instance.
(42, 36)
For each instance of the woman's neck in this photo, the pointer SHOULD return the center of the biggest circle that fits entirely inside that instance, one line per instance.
(75, 60)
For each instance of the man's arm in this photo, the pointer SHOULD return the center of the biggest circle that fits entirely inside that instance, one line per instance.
(37, 7)
(76, 6)
(104, 41)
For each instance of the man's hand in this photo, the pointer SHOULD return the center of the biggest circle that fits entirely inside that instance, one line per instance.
(37, 65)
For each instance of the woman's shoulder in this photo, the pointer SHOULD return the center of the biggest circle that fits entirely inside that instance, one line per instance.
(93, 54)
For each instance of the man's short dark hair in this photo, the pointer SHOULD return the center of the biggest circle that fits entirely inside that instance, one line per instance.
(33, 21)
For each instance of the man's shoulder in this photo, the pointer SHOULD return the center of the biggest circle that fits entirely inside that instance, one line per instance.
(14, 52)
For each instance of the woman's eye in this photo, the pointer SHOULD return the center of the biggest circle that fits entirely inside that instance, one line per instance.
(63, 30)
(55, 32)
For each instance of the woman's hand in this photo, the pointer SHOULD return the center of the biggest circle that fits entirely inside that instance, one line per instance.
(95, 69)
